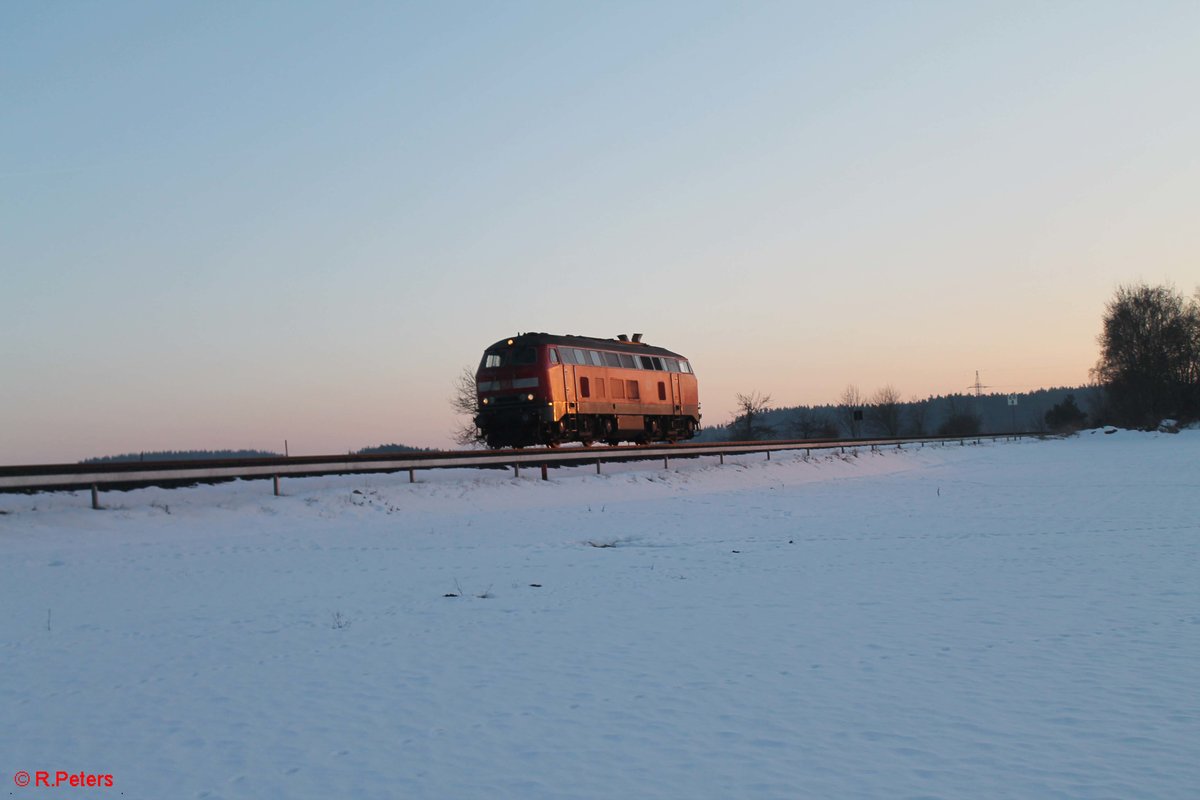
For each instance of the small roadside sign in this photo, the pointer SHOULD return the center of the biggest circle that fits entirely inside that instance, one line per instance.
(1012, 399)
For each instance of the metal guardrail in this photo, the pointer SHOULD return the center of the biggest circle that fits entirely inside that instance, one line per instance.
(130, 475)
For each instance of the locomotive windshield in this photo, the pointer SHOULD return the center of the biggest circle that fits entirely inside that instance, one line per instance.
(509, 357)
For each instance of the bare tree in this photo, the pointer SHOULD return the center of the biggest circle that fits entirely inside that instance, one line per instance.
(884, 411)
(748, 424)
(465, 400)
(809, 424)
(1150, 355)
(850, 410)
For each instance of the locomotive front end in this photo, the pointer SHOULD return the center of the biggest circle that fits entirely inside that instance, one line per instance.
(513, 392)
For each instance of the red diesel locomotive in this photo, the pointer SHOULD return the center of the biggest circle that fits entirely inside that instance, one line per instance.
(538, 388)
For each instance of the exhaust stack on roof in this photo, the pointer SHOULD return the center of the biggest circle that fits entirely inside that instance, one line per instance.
(622, 337)
(637, 337)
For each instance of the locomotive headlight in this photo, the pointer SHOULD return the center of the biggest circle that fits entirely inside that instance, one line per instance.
(484, 401)
(529, 397)
(510, 341)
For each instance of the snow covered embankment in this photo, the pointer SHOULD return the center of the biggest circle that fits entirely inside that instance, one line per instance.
(1011, 620)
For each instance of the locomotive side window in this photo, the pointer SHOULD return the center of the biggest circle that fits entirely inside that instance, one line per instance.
(585, 388)
(662, 391)
(626, 361)
(597, 361)
(612, 360)
(647, 362)
(567, 355)
(617, 388)
(553, 356)
(580, 358)
(672, 364)
(685, 367)
(631, 390)
(658, 365)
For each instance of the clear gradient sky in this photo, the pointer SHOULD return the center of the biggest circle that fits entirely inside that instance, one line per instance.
(224, 224)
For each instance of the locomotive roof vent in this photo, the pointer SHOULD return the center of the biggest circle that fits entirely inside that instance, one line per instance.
(622, 337)
(637, 337)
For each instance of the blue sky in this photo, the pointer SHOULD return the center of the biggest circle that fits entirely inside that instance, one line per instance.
(226, 224)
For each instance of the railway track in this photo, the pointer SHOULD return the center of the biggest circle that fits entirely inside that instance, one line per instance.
(126, 475)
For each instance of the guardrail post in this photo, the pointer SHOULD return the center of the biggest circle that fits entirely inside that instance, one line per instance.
(665, 465)
(768, 455)
(516, 470)
(722, 455)
(597, 466)
(275, 479)
(95, 497)
(411, 477)
(544, 476)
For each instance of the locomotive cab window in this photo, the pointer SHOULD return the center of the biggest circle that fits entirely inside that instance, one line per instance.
(508, 358)
(553, 356)
(672, 364)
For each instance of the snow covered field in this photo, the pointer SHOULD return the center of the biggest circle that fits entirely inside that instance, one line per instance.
(1015, 620)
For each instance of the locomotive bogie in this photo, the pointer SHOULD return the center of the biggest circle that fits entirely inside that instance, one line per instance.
(544, 389)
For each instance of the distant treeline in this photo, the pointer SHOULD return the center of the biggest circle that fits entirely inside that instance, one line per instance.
(1148, 376)
(381, 449)
(955, 414)
(209, 455)
(181, 455)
